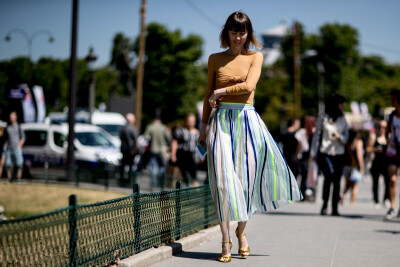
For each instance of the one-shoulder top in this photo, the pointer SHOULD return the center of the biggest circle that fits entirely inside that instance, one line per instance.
(238, 74)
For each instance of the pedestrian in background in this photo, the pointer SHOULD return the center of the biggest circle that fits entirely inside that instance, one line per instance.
(393, 152)
(304, 137)
(158, 135)
(354, 167)
(289, 145)
(15, 139)
(2, 147)
(128, 136)
(328, 148)
(377, 145)
(183, 150)
(247, 171)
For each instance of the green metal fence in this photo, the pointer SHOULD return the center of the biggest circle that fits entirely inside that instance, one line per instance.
(101, 233)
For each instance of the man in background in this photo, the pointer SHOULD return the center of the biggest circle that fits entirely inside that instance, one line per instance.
(15, 139)
(128, 135)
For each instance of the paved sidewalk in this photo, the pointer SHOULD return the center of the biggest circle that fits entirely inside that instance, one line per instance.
(296, 235)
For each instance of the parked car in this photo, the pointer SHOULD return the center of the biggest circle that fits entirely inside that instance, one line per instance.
(46, 145)
(109, 121)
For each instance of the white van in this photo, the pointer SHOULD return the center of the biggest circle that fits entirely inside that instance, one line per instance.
(109, 121)
(47, 144)
(112, 122)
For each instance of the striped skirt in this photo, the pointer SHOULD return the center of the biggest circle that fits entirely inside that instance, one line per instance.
(247, 170)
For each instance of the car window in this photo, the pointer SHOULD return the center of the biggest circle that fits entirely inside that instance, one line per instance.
(93, 139)
(59, 139)
(112, 129)
(35, 138)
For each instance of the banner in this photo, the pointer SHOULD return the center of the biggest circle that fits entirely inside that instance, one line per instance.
(40, 103)
(28, 107)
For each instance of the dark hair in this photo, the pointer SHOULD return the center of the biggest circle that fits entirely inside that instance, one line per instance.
(353, 133)
(332, 106)
(238, 21)
(396, 93)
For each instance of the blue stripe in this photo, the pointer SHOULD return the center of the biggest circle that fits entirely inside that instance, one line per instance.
(221, 215)
(247, 163)
(265, 159)
(231, 132)
(255, 159)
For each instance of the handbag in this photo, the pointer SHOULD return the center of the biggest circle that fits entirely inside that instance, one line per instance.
(356, 176)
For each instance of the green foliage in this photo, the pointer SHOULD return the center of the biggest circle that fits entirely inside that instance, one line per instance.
(171, 80)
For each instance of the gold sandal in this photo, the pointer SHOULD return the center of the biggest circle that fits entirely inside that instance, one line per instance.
(226, 258)
(242, 251)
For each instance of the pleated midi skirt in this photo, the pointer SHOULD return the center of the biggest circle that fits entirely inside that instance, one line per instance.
(246, 168)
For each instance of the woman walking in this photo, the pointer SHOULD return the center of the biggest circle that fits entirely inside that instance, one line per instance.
(328, 147)
(246, 168)
(377, 144)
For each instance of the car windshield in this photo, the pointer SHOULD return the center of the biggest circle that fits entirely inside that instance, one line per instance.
(112, 129)
(93, 139)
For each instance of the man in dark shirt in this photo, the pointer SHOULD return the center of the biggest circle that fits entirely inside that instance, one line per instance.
(128, 136)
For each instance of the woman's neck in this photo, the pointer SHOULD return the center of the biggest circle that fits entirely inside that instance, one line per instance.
(235, 52)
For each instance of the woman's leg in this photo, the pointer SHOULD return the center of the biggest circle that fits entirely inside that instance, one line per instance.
(375, 182)
(326, 167)
(354, 192)
(392, 170)
(226, 249)
(337, 175)
(241, 229)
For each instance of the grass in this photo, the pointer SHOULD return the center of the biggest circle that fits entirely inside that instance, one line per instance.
(28, 199)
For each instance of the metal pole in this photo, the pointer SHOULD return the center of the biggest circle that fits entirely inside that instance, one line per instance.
(72, 93)
(296, 71)
(91, 97)
(140, 69)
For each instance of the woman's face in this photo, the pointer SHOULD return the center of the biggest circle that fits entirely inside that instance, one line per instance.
(237, 38)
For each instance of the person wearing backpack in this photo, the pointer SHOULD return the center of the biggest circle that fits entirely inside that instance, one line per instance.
(393, 152)
(15, 139)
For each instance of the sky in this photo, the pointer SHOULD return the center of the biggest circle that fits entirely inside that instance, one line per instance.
(377, 21)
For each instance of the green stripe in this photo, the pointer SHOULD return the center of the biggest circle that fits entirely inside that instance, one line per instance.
(231, 180)
(273, 167)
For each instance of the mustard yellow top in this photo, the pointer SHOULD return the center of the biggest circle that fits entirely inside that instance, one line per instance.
(238, 74)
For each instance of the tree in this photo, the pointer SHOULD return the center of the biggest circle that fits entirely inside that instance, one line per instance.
(171, 78)
(121, 61)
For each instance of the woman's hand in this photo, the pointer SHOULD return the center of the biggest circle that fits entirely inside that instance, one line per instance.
(214, 98)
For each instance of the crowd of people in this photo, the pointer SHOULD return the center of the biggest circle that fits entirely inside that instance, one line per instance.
(341, 152)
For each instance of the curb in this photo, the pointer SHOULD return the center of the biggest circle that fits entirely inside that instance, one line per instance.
(154, 255)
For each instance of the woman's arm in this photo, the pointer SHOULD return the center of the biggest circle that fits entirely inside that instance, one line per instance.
(360, 156)
(252, 78)
(210, 89)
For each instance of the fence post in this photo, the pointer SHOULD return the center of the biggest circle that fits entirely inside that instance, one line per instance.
(206, 207)
(165, 218)
(178, 211)
(136, 216)
(73, 232)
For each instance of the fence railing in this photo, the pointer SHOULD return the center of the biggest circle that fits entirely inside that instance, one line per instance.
(101, 233)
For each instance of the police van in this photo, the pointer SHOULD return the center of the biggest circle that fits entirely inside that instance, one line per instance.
(46, 146)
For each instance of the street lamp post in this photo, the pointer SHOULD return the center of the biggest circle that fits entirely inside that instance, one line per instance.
(29, 38)
(90, 59)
